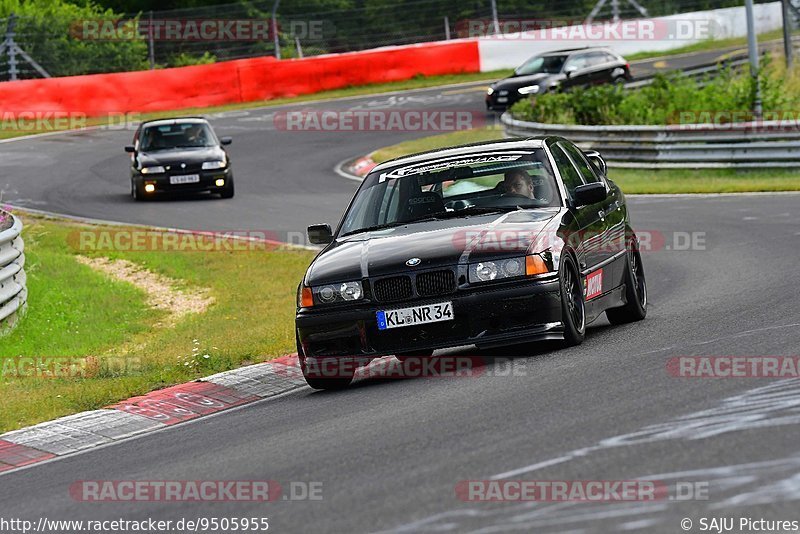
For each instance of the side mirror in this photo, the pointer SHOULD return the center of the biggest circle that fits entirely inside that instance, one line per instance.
(569, 70)
(590, 194)
(225, 140)
(130, 149)
(320, 234)
(598, 161)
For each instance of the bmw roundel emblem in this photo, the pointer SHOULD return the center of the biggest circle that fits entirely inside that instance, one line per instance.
(413, 262)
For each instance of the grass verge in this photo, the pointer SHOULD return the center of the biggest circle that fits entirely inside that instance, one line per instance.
(117, 342)
(633, 181)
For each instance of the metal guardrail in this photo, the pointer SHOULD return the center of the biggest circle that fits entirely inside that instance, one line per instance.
(13, 291)
(768, 144)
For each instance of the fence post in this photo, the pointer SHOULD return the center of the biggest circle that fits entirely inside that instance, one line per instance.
(11, 48)
(275, 29)
(151, 45)
(446, 28)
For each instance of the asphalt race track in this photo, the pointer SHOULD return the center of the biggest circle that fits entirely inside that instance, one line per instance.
(389, 453)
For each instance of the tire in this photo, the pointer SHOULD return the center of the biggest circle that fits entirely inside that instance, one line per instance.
(137, 192)
(227, 191)
(573, 306)
(322, 382)
(635, 292)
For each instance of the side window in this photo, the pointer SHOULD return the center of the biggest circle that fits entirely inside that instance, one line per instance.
(569, 174)
(578, 62)
(583, 166)
(597, 58)
(610, 58)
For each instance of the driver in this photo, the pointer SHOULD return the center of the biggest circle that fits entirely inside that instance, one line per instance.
(518, 182)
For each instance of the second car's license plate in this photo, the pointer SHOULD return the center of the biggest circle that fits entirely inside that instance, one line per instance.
(428, 313)
(184, 179)
(502, 99)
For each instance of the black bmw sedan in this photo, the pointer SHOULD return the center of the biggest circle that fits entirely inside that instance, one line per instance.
(179, 156)
(488, 244)
(558, 71)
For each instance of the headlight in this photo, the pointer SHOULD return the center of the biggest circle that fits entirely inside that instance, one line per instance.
(495, 270)
(152, 170)
(489, 91)
(530, 90)
(344, 292)
(211, 165)
(487, 271)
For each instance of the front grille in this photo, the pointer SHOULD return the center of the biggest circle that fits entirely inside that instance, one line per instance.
(191, 168)
(390, 289)
(436, 283)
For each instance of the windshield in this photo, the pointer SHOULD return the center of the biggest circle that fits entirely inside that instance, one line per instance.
(181, 135)
(541, 64)
(459, 186)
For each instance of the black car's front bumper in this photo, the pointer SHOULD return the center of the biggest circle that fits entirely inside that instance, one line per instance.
(502, 99)
(484, 316)
(208, 181)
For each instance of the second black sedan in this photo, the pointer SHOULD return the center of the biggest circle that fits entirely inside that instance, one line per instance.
(488, 244)
(179, 156)
(558, 71)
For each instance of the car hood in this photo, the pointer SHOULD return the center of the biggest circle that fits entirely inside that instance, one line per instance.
(181, 155)
(436, 243)
(516, 82)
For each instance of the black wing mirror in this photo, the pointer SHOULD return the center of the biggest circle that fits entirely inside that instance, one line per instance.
(130, 149)
(598, 161)
(225, 140)
(569, 71)
(320, 234)
(590, 194)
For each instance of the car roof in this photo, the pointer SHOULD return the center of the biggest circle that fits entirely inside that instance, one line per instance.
(581, 49)
(464, 150)
(176, 120)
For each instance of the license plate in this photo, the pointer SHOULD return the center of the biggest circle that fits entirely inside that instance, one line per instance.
(502, 99)
(428, 313)
(184, 179)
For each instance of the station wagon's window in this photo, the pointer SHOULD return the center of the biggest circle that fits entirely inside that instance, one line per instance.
(459, 186)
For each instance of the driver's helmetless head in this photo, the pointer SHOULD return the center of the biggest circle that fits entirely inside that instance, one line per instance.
(518, 182)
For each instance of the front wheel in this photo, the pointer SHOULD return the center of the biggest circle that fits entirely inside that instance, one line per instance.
(573, 308)
(317, 375)
(635, 292)
(227, 190)
(137, 192)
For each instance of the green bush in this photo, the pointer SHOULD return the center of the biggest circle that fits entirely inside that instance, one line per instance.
(45, 31)
(670, 99)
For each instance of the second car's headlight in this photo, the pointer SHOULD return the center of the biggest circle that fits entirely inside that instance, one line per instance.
(211, 165)
(152, 170)
(344, 292)
(490, 90)
(486, 271)
(530, 90)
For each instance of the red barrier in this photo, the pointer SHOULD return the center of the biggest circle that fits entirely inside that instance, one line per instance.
(244, 80)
